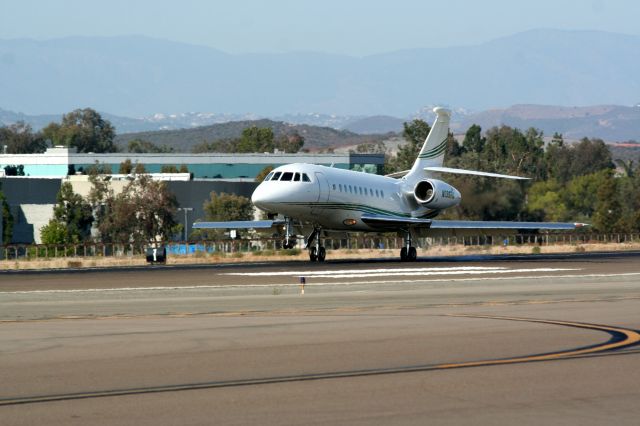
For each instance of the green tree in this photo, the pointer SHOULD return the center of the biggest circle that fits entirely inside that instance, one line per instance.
(222, 145)
(558, 159)
(224, 207)
(7, 218)
(13, 170)
(74, 212)
(289, 143)
(608, 213)
(55, 233)
(19, 138)
(546, 201)
(256, 139)
(84, 129)
(126, 167)
(98, 168)
(143, 212)
(473, 140)
(415, 133)
(508, 150)
(263, 173)
(140, 146)
(168, 168)
(582, 195)
(139, 169)
(371, 148)
(590, 156)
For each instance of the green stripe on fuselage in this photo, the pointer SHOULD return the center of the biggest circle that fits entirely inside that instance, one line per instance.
(361, 208)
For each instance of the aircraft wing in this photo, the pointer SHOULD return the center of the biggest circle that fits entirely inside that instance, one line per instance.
(412, 222)
(472, 172)
(238, 224)
(479, 224)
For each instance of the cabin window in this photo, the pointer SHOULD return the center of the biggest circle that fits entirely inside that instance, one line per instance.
(340, 187)
(276, 176)
(350, 189)
(382, 193)
(371, 192)
(287, 176)
(334, 186)
(268, 177)
(360, 190)
(377, 194)
(305, 178)
(296, 177)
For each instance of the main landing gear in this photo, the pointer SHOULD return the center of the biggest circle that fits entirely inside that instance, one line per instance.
(316, 251)
(408, 253)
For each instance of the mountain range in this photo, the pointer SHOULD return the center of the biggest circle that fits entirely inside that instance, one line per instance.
(139, 76)
(613, 123)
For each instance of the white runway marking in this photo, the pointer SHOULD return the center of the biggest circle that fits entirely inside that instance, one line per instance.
(322, 284)
(364, 271)
(367, 273)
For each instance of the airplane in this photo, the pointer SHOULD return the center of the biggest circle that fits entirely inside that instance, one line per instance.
(309, 197)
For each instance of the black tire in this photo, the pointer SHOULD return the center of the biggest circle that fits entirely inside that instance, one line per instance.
(412, 254)
(312, 254)
(322, 253)
(403, 254)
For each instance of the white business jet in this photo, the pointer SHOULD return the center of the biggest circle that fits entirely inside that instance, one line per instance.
(318, 199)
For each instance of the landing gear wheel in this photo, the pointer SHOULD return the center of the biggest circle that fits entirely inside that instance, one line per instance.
(412, 254)
(322, 253)
(312, 254)
(403, 254)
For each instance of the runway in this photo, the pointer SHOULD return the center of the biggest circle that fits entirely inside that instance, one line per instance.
(465, 341)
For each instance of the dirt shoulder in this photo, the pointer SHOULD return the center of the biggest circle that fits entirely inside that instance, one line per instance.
(202, 258)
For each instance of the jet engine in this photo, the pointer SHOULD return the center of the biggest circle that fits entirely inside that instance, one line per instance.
(436, 194)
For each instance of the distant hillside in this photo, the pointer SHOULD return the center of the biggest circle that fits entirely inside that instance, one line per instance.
(375, 125)
(608, 122)
(139, 76)
(183, 140)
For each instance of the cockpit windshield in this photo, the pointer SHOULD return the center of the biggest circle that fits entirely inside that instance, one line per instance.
(287, 176)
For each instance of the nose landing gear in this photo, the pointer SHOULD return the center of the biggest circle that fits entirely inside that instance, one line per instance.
(289, 240)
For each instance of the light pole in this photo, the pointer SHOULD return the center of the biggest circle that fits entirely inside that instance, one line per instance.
(186, 210)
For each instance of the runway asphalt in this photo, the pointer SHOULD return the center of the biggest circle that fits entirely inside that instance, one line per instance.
(475, 340)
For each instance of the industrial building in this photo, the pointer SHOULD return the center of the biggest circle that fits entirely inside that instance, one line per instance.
(33, 196)
(59, 162)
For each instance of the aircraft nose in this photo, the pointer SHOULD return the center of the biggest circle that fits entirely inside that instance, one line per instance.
(259, 197)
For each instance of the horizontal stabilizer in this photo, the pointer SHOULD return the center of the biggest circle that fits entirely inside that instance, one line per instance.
(238, 224)
(471, 172)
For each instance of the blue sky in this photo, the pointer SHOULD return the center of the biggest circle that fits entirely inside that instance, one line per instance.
(352, 27)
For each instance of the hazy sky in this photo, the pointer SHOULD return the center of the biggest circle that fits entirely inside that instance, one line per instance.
(353, 27)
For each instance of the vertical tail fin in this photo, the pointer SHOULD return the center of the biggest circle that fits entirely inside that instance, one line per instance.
(432, 152)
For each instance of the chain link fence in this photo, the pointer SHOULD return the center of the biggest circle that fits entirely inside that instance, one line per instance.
(353, 242)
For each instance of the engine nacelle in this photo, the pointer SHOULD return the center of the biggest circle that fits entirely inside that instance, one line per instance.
(436, 194)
